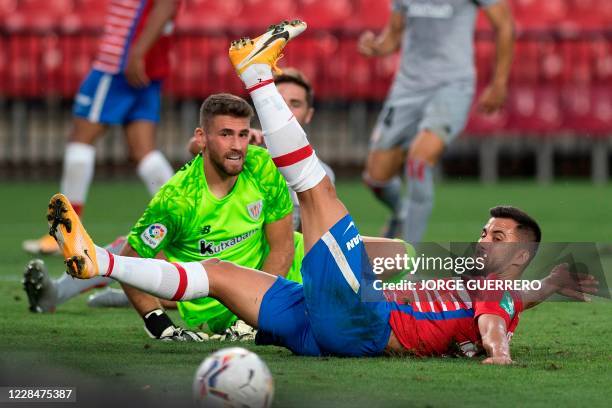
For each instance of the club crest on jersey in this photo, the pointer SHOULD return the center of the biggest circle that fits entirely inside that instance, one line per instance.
(154, 234)
(254, 209)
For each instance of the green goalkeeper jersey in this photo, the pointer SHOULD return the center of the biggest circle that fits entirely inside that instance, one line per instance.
(188, 223)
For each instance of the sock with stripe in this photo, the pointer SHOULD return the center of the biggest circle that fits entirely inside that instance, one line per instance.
(172, 281)
(285, 138)
(78, 171)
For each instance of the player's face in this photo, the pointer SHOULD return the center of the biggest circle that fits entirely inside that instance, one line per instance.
(226, 141)
(296, 98)
(498, 244)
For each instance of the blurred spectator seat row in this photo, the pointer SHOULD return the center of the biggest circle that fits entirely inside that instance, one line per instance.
(33, 64)
(549, 111)
(73, 15)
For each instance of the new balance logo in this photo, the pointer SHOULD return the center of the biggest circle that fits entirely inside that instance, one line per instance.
(353, 242)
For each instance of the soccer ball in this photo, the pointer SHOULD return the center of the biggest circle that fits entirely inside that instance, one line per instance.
(233, 377)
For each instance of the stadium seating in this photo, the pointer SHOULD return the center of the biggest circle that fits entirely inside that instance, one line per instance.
(561, 78)
(325, 14)
(268, 12)
(37, 15)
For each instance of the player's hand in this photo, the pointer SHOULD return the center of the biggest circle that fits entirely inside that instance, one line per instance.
(573, 285)
(174, 333)
(135, 72)
(498, 361)
(492, 98)
(367, 44)
(256, 137)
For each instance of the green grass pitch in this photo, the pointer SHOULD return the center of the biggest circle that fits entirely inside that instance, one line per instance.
(563, 351)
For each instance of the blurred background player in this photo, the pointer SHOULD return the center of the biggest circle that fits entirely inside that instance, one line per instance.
(429, 101)
(122, 88)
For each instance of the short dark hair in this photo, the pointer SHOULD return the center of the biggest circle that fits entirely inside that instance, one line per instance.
(224, 104)
(295, 76)
(525, 222)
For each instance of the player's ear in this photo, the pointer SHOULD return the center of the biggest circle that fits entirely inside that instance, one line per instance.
(199, 135)
(522, 258)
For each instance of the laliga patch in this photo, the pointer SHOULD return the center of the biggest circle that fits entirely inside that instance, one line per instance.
(154, 235)
(254, 209)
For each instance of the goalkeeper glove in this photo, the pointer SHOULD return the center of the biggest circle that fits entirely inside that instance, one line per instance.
(159, 326)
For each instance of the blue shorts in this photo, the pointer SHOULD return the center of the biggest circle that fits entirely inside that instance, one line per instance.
(327, 315)
(109, 99)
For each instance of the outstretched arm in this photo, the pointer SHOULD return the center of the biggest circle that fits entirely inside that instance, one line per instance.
(562, 281)
(494, 339)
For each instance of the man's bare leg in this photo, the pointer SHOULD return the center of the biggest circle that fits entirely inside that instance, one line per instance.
(240, 289)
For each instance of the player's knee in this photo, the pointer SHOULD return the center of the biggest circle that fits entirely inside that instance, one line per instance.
(211, 262)
(427, 147)
(375, 175)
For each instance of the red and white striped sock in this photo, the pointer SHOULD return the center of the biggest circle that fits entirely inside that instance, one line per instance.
(172, 281)
(285, 138)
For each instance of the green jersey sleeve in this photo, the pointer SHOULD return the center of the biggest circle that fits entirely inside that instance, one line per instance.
(160, 224)
(277, 201)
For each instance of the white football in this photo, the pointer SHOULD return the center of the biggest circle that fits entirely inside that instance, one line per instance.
(233, 377)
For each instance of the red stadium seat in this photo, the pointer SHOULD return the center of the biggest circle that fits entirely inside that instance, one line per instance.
(535, 110)
(602, 111)
(601, 53)
(88, 15)
(51, 64)
(77, 53)
(38, 15)
(588, 109)
(206, 15)
(267, 12)
(484, 59)
(4, 65)
(369, 15)
(7, 7)
(325, 14)
(537, 14)
(25, 51)
(526, 71)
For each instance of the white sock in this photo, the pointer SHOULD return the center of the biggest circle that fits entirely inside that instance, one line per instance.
(172, 281)
(285, 138)
(79, 162)
(155, 171)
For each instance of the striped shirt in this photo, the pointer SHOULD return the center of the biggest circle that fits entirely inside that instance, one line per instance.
(124, 23)
(444, 322)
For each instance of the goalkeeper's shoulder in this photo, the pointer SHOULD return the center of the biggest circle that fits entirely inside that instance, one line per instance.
(259, 165)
